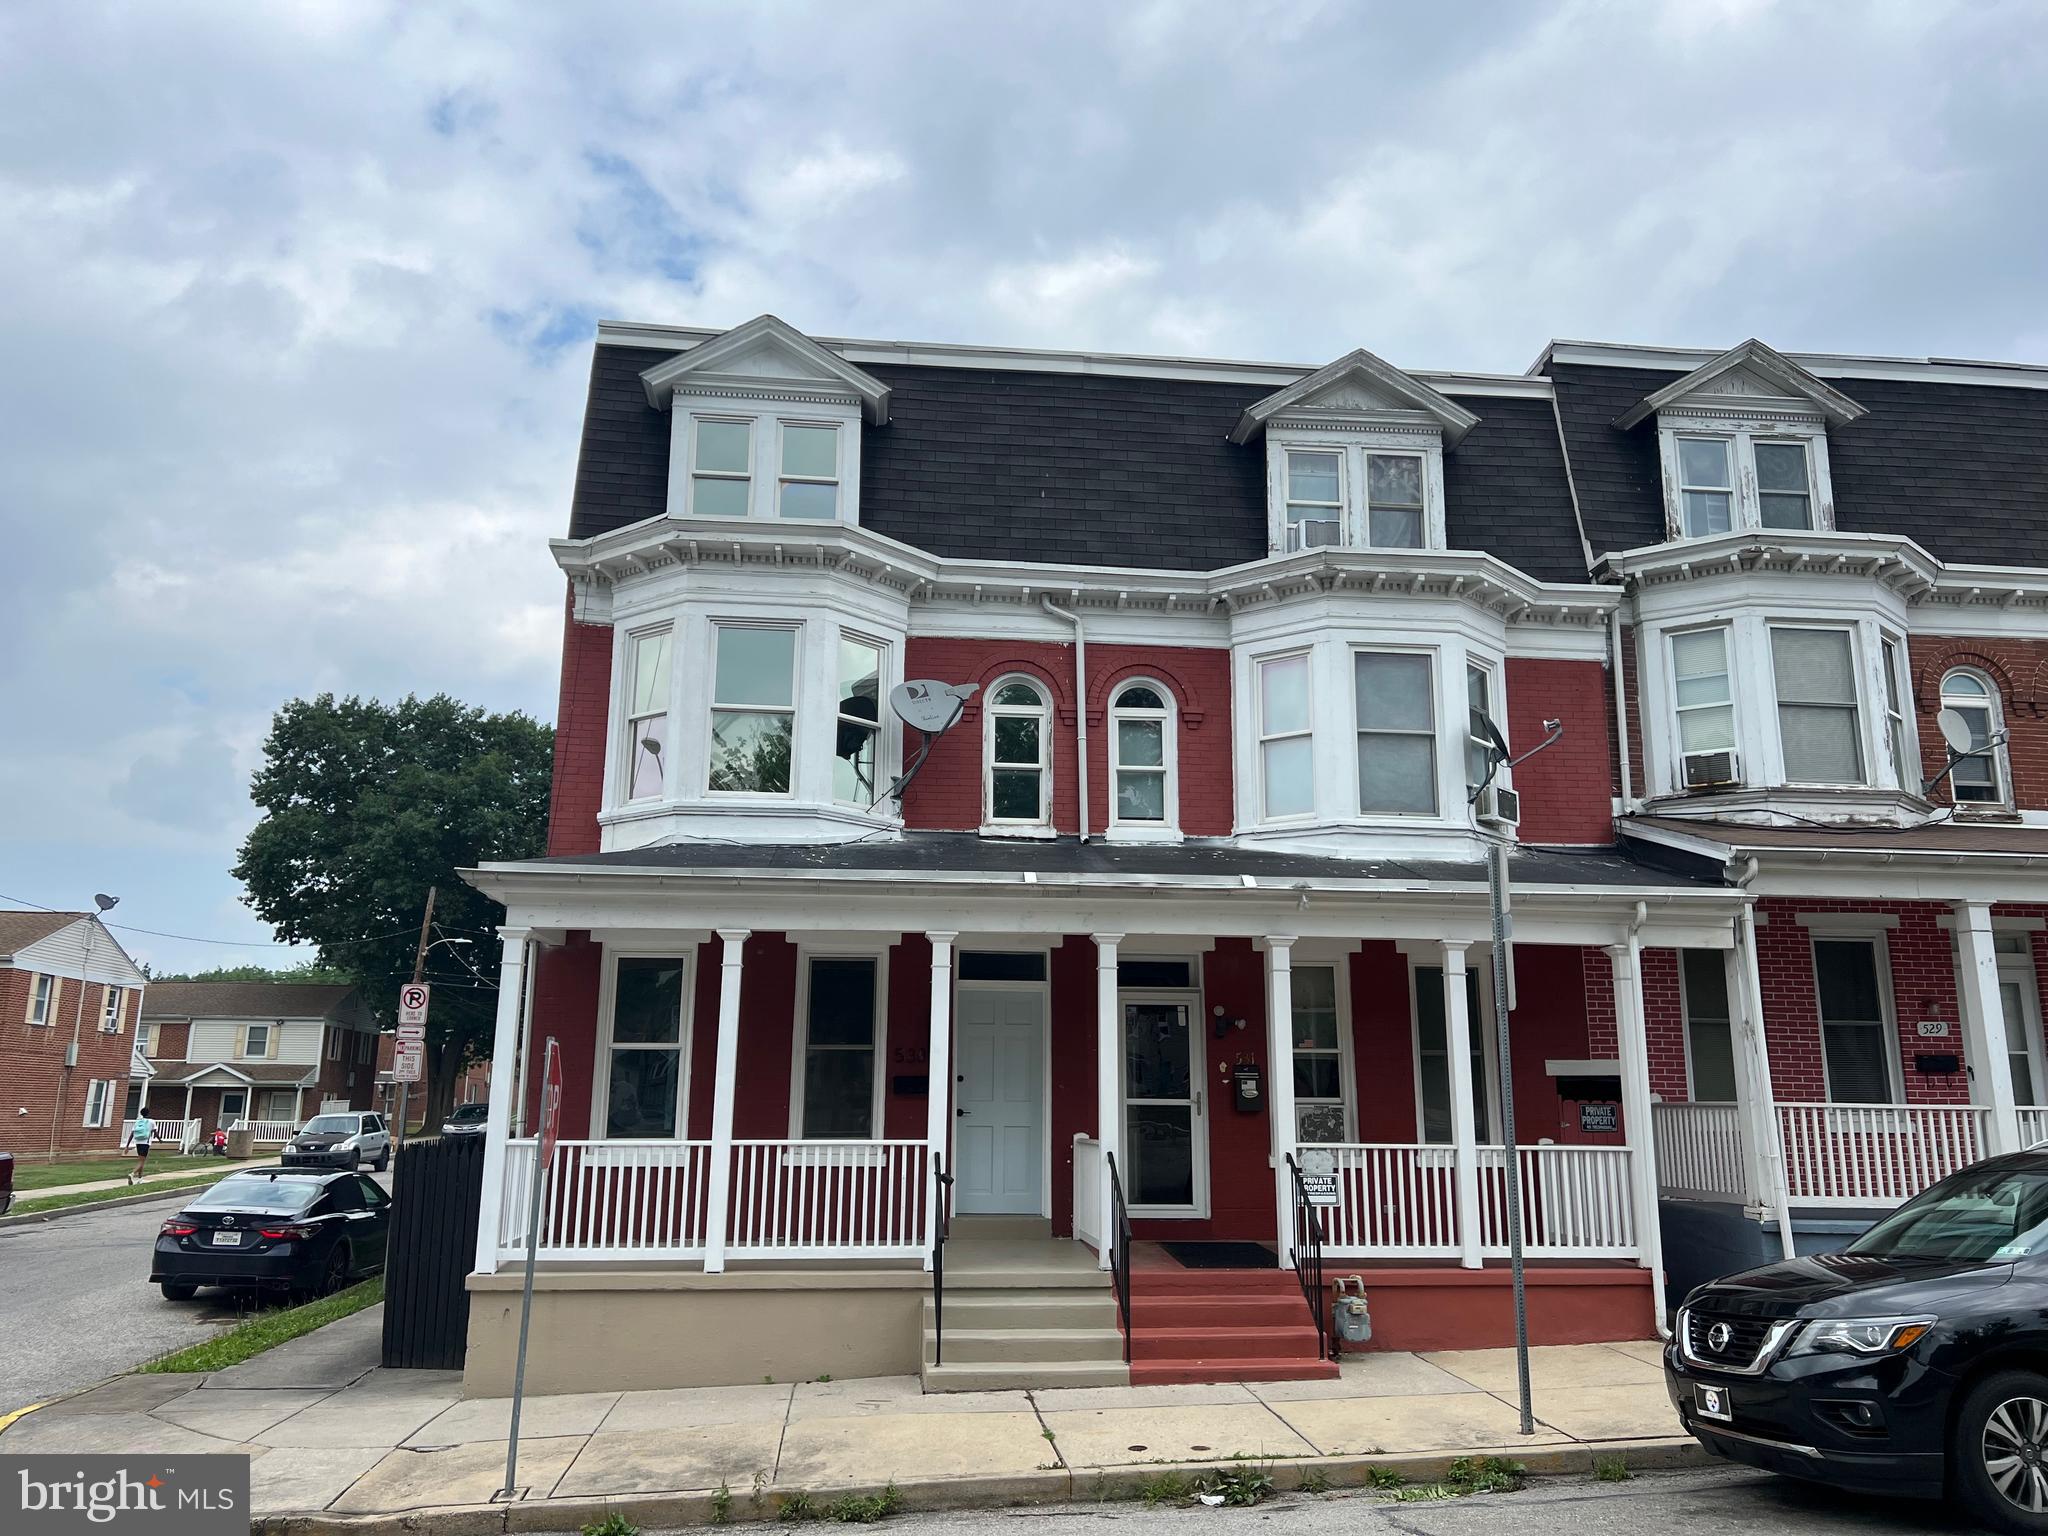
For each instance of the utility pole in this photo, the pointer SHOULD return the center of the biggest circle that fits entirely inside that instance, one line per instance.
(419, 973)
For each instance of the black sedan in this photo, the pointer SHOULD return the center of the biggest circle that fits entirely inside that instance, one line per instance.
(275, 1229)
(1914, 1362)
(467, 1120)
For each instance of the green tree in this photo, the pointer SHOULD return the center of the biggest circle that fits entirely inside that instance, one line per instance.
(305, 970)
(368, 805)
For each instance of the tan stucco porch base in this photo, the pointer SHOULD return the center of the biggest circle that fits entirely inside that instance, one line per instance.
(617, 1330)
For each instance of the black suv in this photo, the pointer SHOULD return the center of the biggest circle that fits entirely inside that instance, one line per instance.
(1913, 1362)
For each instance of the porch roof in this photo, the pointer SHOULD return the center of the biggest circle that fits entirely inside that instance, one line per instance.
(1937, 860)
(257, 1074)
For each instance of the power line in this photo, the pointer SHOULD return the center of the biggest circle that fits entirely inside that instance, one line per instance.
(191, 938)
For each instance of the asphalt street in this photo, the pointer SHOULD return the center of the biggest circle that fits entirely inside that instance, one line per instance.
(1670, 1504)
(76, 1305)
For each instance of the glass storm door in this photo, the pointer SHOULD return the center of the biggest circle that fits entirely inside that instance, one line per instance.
(1165, 1142)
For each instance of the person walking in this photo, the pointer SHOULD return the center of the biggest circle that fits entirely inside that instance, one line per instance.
(140, 1138)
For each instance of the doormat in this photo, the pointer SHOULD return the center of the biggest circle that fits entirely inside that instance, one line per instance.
(1222, 1255)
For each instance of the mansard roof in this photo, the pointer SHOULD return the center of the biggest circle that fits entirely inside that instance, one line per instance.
(1749, 370)
(765, 347)
(1358, 381)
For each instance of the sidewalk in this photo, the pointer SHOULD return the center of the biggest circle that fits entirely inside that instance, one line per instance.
(339, 1443)
(224, 1166)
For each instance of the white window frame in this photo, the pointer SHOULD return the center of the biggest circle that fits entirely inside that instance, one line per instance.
(837, 479)
(1168, 772)
(1366, 503)
(227, 1117)
(1745, 507)
(248, 1035)
(1685, 1018)
(1434, 733)
(1494, 711)
(1880, 949)
(1479, 966)
(1858, 677)
(1687, 487)
(333, 1044)
(1352, 451)
(629, 740)
(682, 954)
(751, 477)
(42, 999)
(1902, 748)
(2017, 967)
(841, 638)
(1744, 771)
(1347, 1096)
(99, 1100)
(1993, 705)
(1041, 824)
(793, 710)
(113, 1003)
(800, 1036)
(1307, 732)
(1336, 510)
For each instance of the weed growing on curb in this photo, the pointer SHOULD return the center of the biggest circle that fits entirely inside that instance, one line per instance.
(1383, 1477)
(613, 1524)
(1485, 1474)
(1314, 1480)
(826, 1377)
(721, 1504)
(1165, 1488)
(865, 1508)
(1611, 1469)
(1239, 1486)
(1423, 1493)
(796, 1507)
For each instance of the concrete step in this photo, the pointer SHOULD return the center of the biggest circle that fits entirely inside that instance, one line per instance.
(1026, 1309)
(1006, 1346)
(1147, 1373)
(968, 1229)
(1021, 1375)
(1022, 1276)
(1189, 1344)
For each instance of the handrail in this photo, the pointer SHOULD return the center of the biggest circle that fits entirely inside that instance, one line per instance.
(1120, 1254)
(942, 1182)
(1308, 1258)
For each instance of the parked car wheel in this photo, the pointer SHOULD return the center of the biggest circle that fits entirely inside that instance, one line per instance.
(175, 1291)
(383, 1160)
(2000, 1455)
(336, 1276)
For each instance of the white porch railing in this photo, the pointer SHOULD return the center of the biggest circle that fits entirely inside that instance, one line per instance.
(1088, 1191)
(2033, 1125)
(182, 1134)
(1392, 1201)
(1875, 1154)
(1401, 1201)
(1576, 1202)
(1699, 1150)
(651, 1200)
(267, 1132)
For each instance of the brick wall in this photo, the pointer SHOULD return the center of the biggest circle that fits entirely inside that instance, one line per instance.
(2019, 669)
(32, 1067)
(948, 792)
(1664, 1022)
(1632, 681)
(1565, 790)
(581, 718)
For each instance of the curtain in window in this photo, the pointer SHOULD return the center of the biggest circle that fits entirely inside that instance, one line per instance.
(1396, 734)
(1816, 676)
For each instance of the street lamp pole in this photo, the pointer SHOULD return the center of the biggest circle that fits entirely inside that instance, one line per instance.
(106, 904)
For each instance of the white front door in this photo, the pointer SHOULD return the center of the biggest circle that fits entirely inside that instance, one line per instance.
(999, 1108)
(1166, 1137)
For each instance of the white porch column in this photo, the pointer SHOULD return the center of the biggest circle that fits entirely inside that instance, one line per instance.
(938, 1114)
(1985, 1044)
(1753, 1064)
(1280, 1084)
(188, 1102)
(298, 1106)
(725, 1075)
(1751, 1115)
(490, 1213)
(1637, 1132)
(1109, 1098)
(1464, 1121)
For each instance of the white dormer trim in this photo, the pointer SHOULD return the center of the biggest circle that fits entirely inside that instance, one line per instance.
(1359, 389)
(767, 358)
(1750, 379)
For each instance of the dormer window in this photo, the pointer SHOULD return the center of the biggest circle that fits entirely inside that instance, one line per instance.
(1706, 488)
(1784, 488)
(809, 486)
(721, 469)
(1742, 480)
(1315, 499)
(1394, 500)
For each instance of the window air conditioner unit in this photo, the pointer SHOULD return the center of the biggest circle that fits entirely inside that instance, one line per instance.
(1315, 533)
(1499, 806)
(1712, 770)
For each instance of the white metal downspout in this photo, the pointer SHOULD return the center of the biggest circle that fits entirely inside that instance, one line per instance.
(1080, 701)
(1773, 1139)
(1653, 1237)
(1614, 652)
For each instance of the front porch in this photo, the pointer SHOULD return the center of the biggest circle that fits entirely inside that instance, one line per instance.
(803, 1107)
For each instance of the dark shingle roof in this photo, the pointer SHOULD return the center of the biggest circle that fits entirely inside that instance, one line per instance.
(242, 999)
(1961, 469)
(1086, 469)
(18, 930)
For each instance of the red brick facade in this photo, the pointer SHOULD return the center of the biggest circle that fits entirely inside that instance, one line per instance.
(32, 1067)
(582, 716)
(1563, 788)
(2019, 670)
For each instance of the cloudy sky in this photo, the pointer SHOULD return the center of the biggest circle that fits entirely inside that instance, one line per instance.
(296, 299)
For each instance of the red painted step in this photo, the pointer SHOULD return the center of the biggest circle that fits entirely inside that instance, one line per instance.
(1218, 1311)
(1205, 1325)
(1165, 1373)
(1239, 1343)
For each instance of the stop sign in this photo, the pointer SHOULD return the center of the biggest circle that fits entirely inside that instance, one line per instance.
(550, 1102)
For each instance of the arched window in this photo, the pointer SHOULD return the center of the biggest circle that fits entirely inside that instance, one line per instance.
(1979, 779)
(1141, 763)
(1019, 760)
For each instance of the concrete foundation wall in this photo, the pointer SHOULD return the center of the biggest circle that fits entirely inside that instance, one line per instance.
(616, 1331)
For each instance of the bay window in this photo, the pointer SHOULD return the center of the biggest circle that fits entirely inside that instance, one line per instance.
(1897, 741)
(647, 715)
(1286, 738)
(838, 1088)
(1819, 726)
(1140, 740)
(643, 1086)
(1396, 733)
(1705, 707)
(1478, 712)
(753, 709)
(721, 467)
(858, 723)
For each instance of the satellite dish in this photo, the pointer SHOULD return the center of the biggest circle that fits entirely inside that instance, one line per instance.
(1484, 728)
(931, 706)
(1956, 732)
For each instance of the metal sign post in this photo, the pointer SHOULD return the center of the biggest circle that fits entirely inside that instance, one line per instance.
(543, 1165)
(409, 1050)
(1503, 960)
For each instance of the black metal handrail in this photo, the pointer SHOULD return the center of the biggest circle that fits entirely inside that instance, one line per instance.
(1120, 1249)
(942, 1182)
(1308, 1258)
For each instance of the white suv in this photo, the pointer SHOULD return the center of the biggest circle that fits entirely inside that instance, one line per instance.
(341, 1139)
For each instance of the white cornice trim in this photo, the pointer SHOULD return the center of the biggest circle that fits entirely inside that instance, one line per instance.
(932, 354)
(1924, 582)
(700, 367)
(1752, 355)
(1831, 365)
(1379, 376)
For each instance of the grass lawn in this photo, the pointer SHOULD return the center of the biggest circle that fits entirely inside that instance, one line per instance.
(118, 1192)
(268, 1330)
(83, 1170)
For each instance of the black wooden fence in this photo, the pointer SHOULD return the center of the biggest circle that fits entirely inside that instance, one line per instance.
(435, 1195)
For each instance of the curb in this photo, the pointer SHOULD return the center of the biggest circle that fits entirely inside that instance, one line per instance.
(656, 1511)
(36, 1218)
